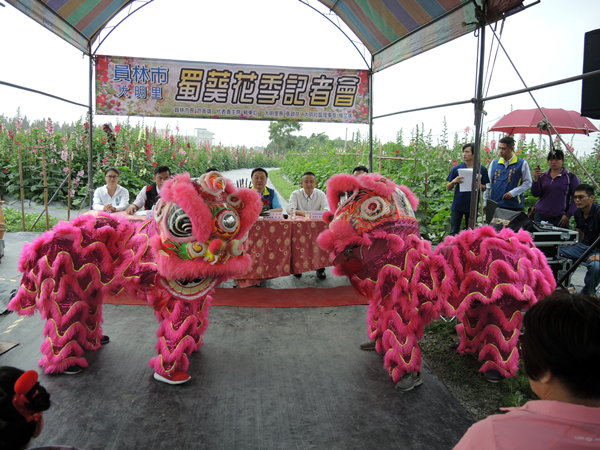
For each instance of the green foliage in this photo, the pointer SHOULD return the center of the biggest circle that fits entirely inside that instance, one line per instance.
(280, 133)
(422, 165)
(282, 186)
(14, 222)
(461, 374)
(136, 151)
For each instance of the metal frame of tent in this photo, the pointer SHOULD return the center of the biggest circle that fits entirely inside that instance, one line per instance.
(380, 31)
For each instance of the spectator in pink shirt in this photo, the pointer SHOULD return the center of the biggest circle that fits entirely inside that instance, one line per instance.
(561, 353)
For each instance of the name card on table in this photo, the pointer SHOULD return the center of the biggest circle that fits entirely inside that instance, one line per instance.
(275, 215)
(316, 215)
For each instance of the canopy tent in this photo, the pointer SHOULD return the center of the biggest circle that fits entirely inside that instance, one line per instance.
(392, 30)
(395, 30)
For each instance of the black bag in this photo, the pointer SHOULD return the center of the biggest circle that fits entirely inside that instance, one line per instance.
(515, 220)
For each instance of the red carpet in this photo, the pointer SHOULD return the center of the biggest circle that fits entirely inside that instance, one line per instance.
(271, 298)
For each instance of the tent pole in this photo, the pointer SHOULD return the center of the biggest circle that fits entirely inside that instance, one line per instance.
(371, 116)
(91, 132)
(478, 130)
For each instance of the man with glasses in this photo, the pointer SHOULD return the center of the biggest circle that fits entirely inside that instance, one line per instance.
(510, 177)
(587, 221)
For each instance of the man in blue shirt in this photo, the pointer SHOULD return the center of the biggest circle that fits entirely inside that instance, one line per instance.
(587, 221)
(510, 177)
(259, 178)
(461, 205)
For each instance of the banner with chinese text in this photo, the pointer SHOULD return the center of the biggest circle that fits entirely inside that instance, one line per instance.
(165, 88)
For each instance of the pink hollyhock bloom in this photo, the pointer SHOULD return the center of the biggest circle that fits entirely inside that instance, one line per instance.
(467, 129)
(80, 173)
(118, 128)
(454, 163)
(522, 137)
(487, 150)
(493, 144)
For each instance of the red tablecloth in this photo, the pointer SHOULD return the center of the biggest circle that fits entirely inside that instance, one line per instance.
(282, 247)
(277, 247)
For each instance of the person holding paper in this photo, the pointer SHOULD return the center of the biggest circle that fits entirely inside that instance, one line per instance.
(461, 205)
(305, 200)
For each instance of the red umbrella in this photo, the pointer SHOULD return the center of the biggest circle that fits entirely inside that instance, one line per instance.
(526, 120)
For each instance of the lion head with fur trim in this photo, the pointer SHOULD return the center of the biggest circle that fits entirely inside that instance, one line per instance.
(202, 226)
(366, 207)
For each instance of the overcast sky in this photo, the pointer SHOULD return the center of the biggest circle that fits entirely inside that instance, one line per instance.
(545, 42)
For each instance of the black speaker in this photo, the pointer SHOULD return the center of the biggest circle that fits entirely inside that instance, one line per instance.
(590, 91)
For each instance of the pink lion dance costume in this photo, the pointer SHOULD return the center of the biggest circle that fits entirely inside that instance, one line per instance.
(482, 277)
(174, 261)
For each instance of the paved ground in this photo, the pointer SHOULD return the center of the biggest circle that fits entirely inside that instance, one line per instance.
(266, 378)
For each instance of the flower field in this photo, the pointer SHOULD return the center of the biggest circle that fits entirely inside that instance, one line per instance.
(136, 151)
(422, 165)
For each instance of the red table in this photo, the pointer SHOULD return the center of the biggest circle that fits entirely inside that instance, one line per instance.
(282, 247)
(277, 247)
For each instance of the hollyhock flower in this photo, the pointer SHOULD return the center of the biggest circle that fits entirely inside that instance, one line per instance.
(65, 169)
(454, 163)
(487, 150)
(522, 137)
(80, 173)
(493, 144)
(117, 128)
(467, 129)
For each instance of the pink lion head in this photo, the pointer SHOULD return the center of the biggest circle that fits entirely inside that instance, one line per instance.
(202, 226)
(369, 206)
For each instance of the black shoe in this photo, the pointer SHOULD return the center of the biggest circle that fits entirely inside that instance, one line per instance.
(104, 340)
(321, 274)
(493, 376)
(298, 275)
(368, 345)
(454, 345)
(73, 370)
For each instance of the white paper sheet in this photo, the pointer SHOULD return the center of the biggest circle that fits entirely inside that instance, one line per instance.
(467, 175)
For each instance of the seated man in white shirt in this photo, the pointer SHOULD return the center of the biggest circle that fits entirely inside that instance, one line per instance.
(308, 199)
(150, 194)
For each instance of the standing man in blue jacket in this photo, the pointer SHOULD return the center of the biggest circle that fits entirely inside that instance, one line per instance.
(510, 177)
